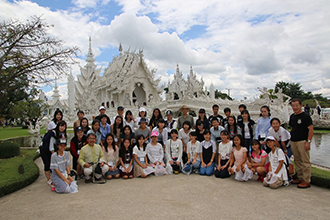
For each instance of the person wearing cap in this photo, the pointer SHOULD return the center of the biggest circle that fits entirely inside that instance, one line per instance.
(185, 117)
(170, 123)
(90, 156)
(162, 132)
(155, 154)
(202, 117)
(215, 109)
(143, 129)
(142, 114)
(76, 143)
(80, 115)
(120, 112)
(277, 175)
(60, 166)
(102, 112)
(302, 131)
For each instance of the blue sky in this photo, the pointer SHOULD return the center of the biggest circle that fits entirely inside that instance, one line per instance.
(239, 45)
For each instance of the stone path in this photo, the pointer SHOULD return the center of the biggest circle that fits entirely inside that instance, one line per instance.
(167, 197)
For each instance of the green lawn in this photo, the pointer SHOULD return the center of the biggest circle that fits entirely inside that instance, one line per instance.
(11, 132)
(10, 178)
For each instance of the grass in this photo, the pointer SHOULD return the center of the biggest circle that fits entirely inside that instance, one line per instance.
(10, 179)
(12, 132)
(322, 131)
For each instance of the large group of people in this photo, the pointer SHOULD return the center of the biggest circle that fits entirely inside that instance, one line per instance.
(130, 147)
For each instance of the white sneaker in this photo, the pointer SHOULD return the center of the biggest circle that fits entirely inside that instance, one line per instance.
(286, 183)
(49, 182)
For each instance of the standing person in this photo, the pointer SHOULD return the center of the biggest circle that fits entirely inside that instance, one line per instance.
(262, 128)
(173, 152)
(200, 128)
(102, 112)
(156, 115)
(185, 117)
(142, 114)
(111, 155)
(247, 126)
(225, 148)
(96, 130)
(104, 128)
(232, 127)
(307, 109)
(120, 112)
(45, 152)
(143, 129)
(58, 116)
(241, 107)
(162, 132)
(215, 109)
(207, 151)
(60, 166)
(301, 136)
(202, 117)
(281, 135)
(90, 156)
(76, 143)
(170, 123)
(130, 120)
(84, 124)
(80, 115)
(227, 112)
(60, 132)
(117, 128)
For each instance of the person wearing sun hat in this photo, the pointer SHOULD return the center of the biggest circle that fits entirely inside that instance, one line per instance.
(185, 117)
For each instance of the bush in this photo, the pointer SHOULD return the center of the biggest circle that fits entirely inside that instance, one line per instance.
(25, 127)
(8, 149)
(18, 172)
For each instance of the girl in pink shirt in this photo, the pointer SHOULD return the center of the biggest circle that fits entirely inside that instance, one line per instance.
(258, 161)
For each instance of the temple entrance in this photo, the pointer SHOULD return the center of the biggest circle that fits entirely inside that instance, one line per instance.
(139, 95)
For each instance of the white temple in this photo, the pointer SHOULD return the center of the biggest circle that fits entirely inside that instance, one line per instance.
(129, 82)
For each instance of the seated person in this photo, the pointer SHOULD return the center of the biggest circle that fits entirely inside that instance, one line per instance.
(60, 166)
(90, 155)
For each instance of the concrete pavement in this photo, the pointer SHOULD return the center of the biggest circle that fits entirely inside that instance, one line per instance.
(167, 197)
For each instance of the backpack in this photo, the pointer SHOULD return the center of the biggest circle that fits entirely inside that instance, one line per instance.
(46, 140)
(288, 164)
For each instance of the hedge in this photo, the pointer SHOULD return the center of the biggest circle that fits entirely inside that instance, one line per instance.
(18, 172)
(8, 149)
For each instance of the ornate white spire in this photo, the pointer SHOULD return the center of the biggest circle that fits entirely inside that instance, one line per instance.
(56, 93)
(90, 56)
(120, 49)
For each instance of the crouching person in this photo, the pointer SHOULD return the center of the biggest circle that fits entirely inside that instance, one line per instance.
(277, 175)
(90, 155)
(173, 152)
(60, 166)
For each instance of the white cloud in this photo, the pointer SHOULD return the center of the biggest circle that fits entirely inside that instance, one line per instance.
(246, 44)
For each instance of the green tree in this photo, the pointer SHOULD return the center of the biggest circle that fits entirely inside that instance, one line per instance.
(28, 56)
(219, 94)
(30, 109)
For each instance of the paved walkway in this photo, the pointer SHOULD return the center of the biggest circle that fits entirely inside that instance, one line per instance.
(167, 197)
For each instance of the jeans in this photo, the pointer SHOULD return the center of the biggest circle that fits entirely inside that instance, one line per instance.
(189, 166)
(207, 170)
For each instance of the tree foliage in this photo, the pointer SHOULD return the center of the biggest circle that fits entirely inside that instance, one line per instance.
(294, 90)
(28, 56)
(219, 94)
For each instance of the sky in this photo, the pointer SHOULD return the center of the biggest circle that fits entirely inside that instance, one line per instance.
(239, 46)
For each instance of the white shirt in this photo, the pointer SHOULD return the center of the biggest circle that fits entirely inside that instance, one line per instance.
(174, 149)
(274, 162)
(184, 136)
(192, 149)
(281, 135)
(155, 152)
(247, 134)
(225, 150)
(139, 153)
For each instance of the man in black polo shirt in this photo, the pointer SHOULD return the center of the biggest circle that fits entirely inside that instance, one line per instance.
(301, 136)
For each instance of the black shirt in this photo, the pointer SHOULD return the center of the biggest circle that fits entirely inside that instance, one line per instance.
(299, 126)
